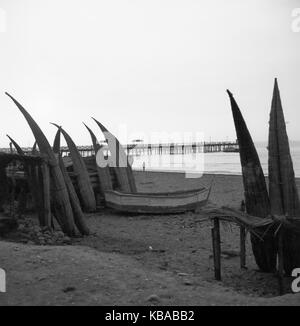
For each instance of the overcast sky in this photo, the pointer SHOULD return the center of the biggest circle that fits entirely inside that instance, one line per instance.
(147, 65)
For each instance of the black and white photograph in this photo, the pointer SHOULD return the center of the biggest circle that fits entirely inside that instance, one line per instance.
(149, 155)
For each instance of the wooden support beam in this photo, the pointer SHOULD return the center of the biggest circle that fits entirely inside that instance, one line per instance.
(216, 241)
(243, 247)
(12, 195)
(280, 263)
(22, 200)
(34, 188)
(38, 188)
(46, 195)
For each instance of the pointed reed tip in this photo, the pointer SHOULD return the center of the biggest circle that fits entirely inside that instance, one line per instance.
(11, 97)
(86, 126)
(56, 125)
(229, 93)
(276, 87)
(104, 129)
(6, 93)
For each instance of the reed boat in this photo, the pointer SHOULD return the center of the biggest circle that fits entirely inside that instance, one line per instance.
(74, 199)
(104, 176)
(256, 194)
(83, 180)
(123, 168)
(61, 201)
(283, 191)
(157, 203)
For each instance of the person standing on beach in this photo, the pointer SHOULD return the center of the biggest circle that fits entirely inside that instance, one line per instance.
(144, 166)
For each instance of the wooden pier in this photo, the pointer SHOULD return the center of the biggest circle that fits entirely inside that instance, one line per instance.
(163, 148)
(166, 149)
(181, 148)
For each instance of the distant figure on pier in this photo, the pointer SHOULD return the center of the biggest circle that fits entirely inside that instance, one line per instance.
(144, 166)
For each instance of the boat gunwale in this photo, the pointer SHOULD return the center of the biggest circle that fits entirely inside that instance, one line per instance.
(156, 210)
(160, 195)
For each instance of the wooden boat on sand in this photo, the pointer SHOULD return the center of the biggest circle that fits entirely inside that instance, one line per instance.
(157, 203)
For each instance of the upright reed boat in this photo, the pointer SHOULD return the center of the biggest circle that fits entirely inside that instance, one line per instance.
(87, 195)
(61, 202)
(256, 194)
(283, 192)
(120, 160)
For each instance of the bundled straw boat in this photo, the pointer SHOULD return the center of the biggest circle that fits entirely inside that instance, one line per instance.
(87, 195)
(120, 162)
(256, 194)
(157, 203)
(74, 200)
(103, 172)
(284, 197)
(61, 202)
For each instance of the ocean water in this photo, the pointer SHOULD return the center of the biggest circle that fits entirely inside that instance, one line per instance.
(218, 163)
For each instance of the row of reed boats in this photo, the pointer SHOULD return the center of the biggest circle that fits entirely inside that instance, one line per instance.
(73, 191)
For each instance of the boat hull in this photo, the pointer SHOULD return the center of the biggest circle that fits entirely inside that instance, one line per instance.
(157, 203)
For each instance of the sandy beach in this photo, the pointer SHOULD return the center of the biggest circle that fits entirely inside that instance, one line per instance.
(227, 189)
(142, 260)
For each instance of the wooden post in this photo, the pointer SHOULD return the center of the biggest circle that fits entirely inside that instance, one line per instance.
(22, 200)
(13, 193)
(39, 189)
(280, 263)
(243, 247)
(46, 194)
(216, 240)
